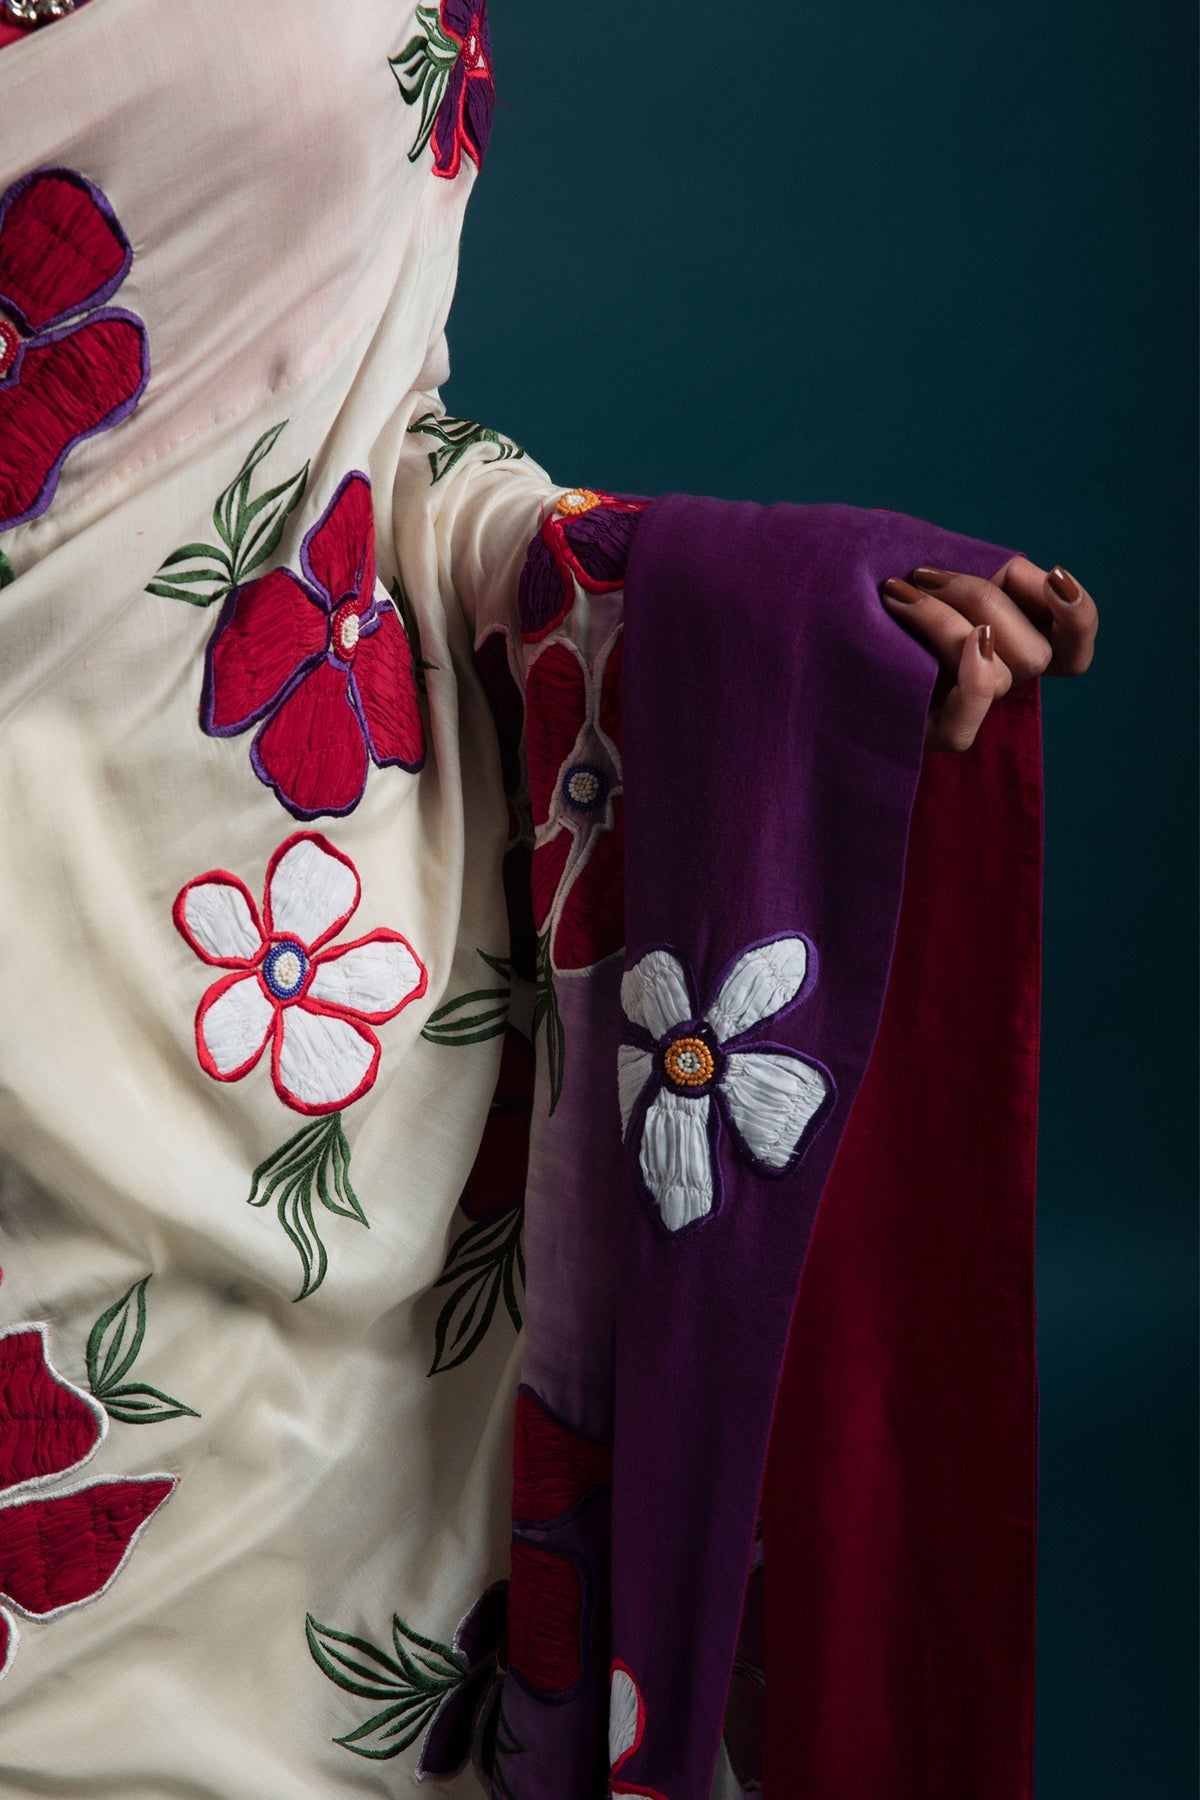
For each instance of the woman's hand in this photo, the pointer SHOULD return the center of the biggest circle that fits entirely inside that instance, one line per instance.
(989, 635)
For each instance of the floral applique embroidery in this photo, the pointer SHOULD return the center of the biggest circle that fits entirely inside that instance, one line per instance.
(626, 1730)
(315, 1002)
(113, 1347)
(586, 540)
(685, 1069)
(448, 1695)
(558, 1476)
(454, 437)
(60, 1550)
(70, 366)
(487, 1262)
(446, 71)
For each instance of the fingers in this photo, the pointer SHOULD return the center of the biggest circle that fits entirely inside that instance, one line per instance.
(954, 723)
(944, 630)
(1020, 642)
(1063, 609)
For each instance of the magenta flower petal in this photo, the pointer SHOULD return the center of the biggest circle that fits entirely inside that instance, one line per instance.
(382, 674)
(268, 632)
(312, 750)
(62, 249)
(338, 555)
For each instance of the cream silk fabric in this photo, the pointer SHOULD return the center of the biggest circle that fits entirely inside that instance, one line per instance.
(290, 262)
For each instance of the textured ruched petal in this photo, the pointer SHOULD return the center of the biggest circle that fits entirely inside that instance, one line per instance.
(216, 916)
(655, 993)
(62, 248)
(312, 889)
(634, 1068)
(545, 1619)
(268, 632)
(676, 1158)
(312, 750)
(233, 1023)
(626, 1717)
(373, 978)
(322, 1061)
(338, 555)
(47, 1425)
(556, 708)
(760, 984)
(596, 544)
(591, 923)
(59, 1552)
(770, 1098)
(554, 1468)
(545, 593)
(69, 385)
(387, 695)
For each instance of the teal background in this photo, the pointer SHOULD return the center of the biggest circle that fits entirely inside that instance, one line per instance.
(938, 259)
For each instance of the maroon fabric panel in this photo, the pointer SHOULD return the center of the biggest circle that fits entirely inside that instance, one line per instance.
(900, 1497)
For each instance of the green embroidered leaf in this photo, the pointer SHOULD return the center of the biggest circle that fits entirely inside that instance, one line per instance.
(412, 632)
(312, 1165)
(547, 1015)
(456, 437)
(506, 1743)
(7, 574)
(469, 1019)
(250, 531)
(112, 1349)
(485, 1265)
(413, 1685)
(499, 965)
(422, 71)
(137, 1404)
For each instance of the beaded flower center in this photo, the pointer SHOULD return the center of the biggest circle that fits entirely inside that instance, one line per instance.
(347, 628)
(576, 503)
(688, 1063)
(585, 787)
(285, 968)
(10, 343)
(472, 47)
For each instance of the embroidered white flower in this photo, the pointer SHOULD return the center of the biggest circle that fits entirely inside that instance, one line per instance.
(685, 1070)
(626, 1729)
(313, 1002)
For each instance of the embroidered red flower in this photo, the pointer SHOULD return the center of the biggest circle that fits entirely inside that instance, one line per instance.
(586, 539)
(60, 1550)
(289, 986)
(446, 71)
(321, 664)
(573, 748)
(69, 365)
(557, 1474)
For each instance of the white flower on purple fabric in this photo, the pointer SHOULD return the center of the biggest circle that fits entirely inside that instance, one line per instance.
(626, 1729)
(685, 1068)
(289, 985)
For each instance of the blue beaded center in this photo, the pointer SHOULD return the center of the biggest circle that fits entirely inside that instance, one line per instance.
(285, 968)
(585, 787)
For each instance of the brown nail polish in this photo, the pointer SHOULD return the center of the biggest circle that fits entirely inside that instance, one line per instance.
(1065, 586)
(931, 578)
(900, 590)
(987, 643)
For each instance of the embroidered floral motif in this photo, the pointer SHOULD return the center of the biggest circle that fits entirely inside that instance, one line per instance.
(626, 1729)
(113, 1347)
(321, 665)
(445, 1694)
(474, 1017)
(487, 1261)
(249, 529)
(61, 1550)
(288, 985)
(446, 71)
(586, 539)
(573, 747)
(70, 366)
(455, 437)
(558, 1475)
(686, 1069)
(312, 1166)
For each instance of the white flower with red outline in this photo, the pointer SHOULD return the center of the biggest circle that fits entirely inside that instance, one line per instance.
(626, 1729)
(289, 985)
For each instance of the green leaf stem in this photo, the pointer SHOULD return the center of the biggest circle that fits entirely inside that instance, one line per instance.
(485, 1265)
(412, 1684)
(547, 1017)
(113, 1346)
(250, 531)
(473, 1018)
(456, 436)
(423, 69)
(313, 1165)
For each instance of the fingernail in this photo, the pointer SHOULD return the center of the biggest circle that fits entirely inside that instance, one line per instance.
(900, 590)
(931, 578)
(1065, 586)
(986, 642)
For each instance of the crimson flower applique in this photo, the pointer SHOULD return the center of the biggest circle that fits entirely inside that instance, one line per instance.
(289, 985)
(58, 1550)
(70, 366)
(446, 71)
(573, 748)
(321, 664)
(585, 539)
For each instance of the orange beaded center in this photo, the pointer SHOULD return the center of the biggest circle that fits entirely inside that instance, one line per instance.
(688, 1063)
(576, 503)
